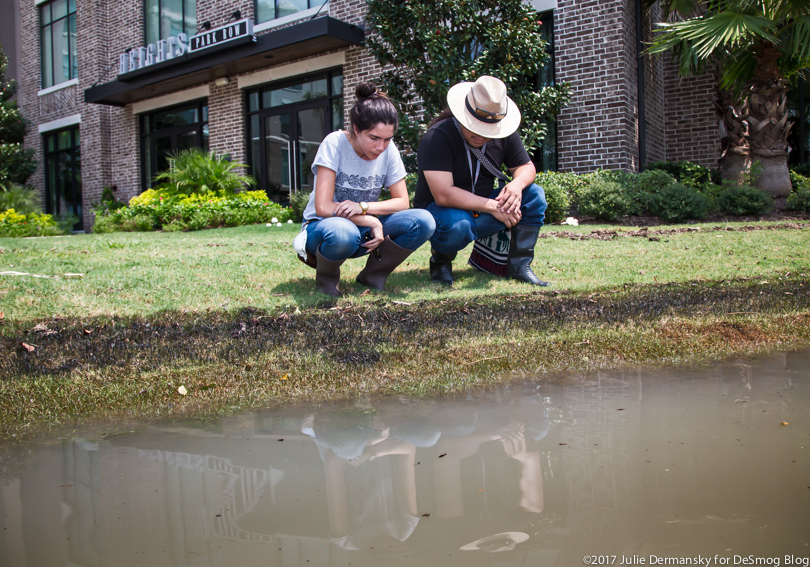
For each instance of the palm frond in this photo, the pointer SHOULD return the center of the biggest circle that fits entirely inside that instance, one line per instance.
(684, 8)
(706, 35)
(740, 67)
(789, 9)
(799, 44)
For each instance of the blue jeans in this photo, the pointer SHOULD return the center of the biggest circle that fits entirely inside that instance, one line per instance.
(339, 238)
(456, 228)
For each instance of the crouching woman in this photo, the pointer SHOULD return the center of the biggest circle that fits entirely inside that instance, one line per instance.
(344, 217)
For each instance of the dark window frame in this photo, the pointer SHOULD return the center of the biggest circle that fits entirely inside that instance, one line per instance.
(550, 72)
(53, 203)
(47, 26)
(149, 133)
(262, 112)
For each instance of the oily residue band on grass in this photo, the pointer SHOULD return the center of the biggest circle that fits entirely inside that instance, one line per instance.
(652, 233)
(358, 336)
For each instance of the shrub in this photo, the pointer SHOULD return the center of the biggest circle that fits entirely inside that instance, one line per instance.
(298, 204)
(558, 203)
(745, 200)
(606, 200)
(108, 201)
(797, 180)
(104, 224)
(151, 210)
(16, 224)
(570, 183)
(642, 187)
(612, 175)
(799, 199)
(23, 200)
(712, 191)
(802, 169)
(175, 226)
(195, 171)
(677, 202)
(686, 172)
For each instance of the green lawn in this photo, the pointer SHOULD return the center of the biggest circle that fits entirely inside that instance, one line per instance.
(121, 322)
(141, 274)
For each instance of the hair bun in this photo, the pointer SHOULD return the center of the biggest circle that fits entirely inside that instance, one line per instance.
(365, 90)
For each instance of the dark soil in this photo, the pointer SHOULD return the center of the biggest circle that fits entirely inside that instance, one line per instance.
(57, 347)
(780, 215)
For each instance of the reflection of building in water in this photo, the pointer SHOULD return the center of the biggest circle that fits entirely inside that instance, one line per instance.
(597, 414)
(291, 491)
(520, 476)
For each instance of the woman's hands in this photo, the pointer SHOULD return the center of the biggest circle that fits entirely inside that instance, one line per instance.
(347, 209)
(376, 233)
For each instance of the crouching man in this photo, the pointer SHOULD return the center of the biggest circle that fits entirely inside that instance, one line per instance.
(460, 157)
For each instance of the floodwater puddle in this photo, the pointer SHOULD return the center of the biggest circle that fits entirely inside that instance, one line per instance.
(705, 466)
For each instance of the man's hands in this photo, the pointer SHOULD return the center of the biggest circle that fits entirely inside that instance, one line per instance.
(509, 219)
(510, 198)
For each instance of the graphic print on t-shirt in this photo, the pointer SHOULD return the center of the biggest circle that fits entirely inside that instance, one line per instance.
(357, 187)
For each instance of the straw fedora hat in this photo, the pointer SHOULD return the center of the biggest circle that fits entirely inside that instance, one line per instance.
(483, 107)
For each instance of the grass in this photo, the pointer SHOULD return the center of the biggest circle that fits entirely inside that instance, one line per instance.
(144, 274)
(232, 317)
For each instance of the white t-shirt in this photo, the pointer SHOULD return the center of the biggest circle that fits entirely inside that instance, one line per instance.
(356, 179)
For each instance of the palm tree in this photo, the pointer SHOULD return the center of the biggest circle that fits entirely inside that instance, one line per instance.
(756, 45)
(199, 171)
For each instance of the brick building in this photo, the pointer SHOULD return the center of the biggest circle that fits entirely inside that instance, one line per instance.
(112, 88)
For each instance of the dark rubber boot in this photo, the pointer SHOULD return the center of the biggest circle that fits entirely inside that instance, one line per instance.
(377, 270)
(521, 254)
(327, 275)
(441, 267)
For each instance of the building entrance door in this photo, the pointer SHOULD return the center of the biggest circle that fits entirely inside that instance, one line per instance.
(286, 123)
(292, 138)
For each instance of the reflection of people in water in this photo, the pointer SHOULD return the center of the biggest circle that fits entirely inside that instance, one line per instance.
(369, 460)
(370, 478)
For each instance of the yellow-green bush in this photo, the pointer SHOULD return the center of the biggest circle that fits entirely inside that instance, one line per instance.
(16, 224)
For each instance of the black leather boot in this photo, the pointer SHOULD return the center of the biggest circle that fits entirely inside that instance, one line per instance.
(327, 275)
(377, 270)
(521, 254)
(441, 267)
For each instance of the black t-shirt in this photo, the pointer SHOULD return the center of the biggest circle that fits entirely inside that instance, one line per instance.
(442, 149)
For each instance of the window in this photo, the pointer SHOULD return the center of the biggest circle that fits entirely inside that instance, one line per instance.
(58, 42)
(167, 131)
(267, 10)
(286, 123)
(545, 158)
(63, 179)
(169, 18)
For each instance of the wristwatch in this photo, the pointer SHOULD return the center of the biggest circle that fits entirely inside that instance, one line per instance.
(364, 206)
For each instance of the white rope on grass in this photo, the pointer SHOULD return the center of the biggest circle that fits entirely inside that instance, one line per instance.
(41, 276)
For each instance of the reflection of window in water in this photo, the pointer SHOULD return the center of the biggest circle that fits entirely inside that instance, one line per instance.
(345, 479)
(241, 489)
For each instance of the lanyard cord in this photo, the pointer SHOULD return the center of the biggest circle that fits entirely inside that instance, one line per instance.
(477, 168)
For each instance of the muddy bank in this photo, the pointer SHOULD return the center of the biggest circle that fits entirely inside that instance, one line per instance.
(359, 335)
(652, 234)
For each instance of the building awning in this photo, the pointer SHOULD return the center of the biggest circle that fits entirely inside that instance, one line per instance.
(311, 37)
